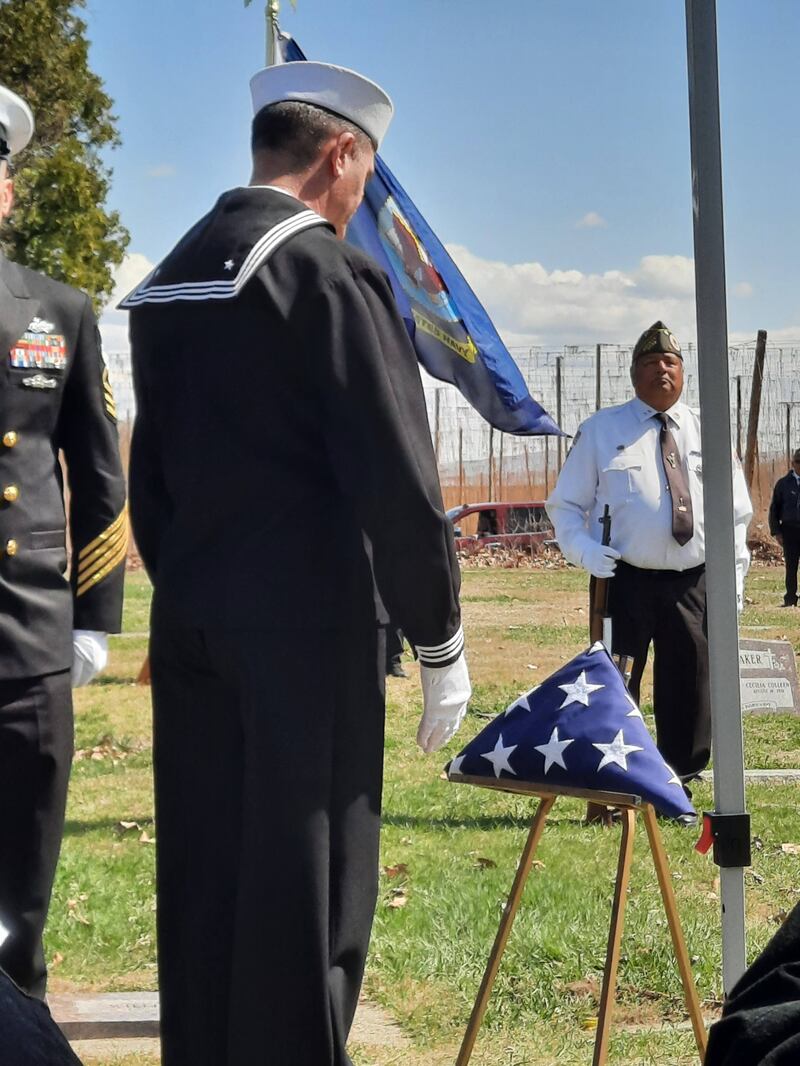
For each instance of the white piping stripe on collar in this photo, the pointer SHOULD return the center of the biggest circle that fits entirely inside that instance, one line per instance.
(226, 290)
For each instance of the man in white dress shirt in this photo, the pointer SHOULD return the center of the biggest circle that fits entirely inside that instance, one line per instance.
(643, 458)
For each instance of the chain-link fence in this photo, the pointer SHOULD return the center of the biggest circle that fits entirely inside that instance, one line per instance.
(479, 464)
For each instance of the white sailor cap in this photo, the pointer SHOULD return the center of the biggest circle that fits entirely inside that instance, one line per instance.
(336, 89)
(16, 123)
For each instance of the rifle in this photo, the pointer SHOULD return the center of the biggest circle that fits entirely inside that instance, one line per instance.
(599, 620)
(600, 629)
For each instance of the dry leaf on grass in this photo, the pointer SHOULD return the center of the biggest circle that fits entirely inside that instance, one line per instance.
(588, 986)
(396, 870)
(74, 912)
(481, 863)
(790, 849)
(146, 839)
(399, 899)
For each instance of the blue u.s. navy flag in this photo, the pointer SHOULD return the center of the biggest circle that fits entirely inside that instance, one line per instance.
(581, 729)
(452, 333)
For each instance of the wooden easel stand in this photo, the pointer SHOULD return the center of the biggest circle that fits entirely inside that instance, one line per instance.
(629, 806)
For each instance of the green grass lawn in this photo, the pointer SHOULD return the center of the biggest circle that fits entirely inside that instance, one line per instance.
(449, 853)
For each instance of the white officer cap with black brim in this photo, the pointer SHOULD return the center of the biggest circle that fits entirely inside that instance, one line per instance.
(336, 89)
(16, 123)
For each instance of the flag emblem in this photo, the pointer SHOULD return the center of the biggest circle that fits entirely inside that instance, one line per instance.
(580, 729)
(454, 338)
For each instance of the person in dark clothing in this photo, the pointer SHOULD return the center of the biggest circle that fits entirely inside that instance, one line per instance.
(784, 525)
(760, 1024)
(394, 651)
(271, 363)
(55, 397)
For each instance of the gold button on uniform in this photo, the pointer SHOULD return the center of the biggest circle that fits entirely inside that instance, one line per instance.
(10, 493)
(11, 547)
(10, 438)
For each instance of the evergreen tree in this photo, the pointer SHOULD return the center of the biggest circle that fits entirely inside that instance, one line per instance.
(60, 224)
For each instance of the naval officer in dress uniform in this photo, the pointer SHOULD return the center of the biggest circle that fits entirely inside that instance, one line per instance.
(644, 459)
(54, 397)
(283, 489)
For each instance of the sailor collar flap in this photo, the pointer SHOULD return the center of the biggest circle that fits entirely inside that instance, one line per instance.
(220, 255)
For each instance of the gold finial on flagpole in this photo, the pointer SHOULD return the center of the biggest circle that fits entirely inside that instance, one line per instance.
(271, 12)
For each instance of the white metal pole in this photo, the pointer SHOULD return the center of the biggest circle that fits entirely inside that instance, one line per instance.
(272, 12)
(712, 344)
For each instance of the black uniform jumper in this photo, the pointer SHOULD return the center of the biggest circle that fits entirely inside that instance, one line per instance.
(54, 396)
(281, 454)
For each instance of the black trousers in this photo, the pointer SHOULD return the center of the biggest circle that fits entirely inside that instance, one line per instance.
(268, 752)
(668, 609)
(394, 647)
(791, 557)
(36, 743)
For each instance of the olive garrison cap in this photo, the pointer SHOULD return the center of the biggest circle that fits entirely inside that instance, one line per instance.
(656, 339)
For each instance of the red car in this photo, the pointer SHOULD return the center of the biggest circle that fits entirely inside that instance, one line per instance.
(518, 525)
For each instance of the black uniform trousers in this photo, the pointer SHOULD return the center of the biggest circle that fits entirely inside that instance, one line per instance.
(791, 558)
(36, 744)
(668, 609)
(394, 647)
(268, 757)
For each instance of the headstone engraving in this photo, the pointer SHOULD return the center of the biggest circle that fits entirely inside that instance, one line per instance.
(768, 676)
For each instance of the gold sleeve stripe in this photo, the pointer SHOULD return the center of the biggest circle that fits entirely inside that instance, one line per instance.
(88, 562)
(120, 520)
(95, 578)
(120, 545)
(108, 394)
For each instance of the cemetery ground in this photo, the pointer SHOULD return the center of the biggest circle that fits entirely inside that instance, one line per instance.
(448, 857)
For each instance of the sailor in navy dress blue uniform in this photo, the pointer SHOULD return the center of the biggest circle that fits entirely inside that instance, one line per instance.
(55, 397)
(283, 487)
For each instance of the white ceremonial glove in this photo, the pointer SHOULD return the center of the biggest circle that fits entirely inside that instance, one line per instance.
(89, 655)
(599, 559)
(445, 693)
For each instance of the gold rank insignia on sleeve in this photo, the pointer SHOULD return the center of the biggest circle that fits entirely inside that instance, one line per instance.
(103, 554)
(108, 396)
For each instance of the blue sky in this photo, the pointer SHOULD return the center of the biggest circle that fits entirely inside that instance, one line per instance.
(546, 141)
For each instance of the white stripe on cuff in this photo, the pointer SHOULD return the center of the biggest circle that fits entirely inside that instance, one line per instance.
(433, 655)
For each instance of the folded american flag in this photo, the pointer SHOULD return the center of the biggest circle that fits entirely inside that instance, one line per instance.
(581, 729)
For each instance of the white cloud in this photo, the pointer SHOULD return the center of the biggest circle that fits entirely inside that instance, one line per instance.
(161, 170)
(114, 323)
(534, 306)
(666, 275)
(744, 290)
(591, 220)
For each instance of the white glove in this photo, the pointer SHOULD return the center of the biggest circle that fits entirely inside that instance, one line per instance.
(599, 559)
(89, 655)
(445, 693)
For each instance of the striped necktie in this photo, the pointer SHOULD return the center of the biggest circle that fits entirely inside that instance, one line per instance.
(682, 518)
